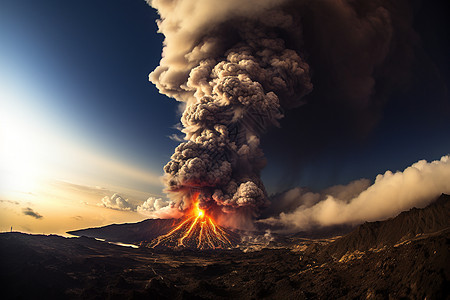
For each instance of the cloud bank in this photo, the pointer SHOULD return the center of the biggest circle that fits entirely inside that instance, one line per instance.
(153, 207)
(357, 202)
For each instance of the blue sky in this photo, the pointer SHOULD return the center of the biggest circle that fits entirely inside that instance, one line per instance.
(80, 70)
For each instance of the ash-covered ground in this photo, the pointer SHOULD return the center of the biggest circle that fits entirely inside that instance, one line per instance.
(376, 261)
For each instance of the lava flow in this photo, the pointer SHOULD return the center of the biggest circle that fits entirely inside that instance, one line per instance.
(197, 230)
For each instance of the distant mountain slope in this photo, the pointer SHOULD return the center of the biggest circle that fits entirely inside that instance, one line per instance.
(407, 225)
(369, 235)
(145, 230)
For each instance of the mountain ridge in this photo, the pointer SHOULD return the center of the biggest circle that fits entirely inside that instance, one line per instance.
(131, 233)
(405, 226)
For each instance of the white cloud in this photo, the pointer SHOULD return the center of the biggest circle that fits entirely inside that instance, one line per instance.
(176, 137)
(153, 207)
(117, 202)
(152, 204)
(158, 208)
(390, 194)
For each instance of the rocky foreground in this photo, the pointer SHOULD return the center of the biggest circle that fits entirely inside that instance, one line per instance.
(372, 262)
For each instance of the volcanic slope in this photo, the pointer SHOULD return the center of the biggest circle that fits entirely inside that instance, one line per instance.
(131, 233)
(412, 224)
(197, 233)
(171, 233)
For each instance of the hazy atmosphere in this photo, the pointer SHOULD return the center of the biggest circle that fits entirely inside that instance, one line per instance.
(292, 114)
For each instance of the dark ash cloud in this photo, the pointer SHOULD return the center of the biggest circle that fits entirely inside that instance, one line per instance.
(324, 70)
(235, 70)
(373, 63)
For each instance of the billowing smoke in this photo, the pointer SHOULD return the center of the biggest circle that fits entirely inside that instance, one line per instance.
(390, 194)
(238, 66)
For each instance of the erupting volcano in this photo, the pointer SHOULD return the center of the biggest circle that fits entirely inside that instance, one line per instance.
(197, 230)
(235, 74)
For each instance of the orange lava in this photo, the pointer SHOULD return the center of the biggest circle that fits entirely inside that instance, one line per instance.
(198, 230)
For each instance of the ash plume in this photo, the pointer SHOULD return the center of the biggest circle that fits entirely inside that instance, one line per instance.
(238, 66)
(236, 69)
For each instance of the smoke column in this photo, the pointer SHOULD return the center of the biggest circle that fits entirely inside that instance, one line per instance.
(235, 65)
(238, 66)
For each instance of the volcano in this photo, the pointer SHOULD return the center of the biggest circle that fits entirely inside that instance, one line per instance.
(197, 230)
(198, 233)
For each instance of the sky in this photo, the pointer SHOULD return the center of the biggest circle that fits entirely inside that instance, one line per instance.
(84, 135)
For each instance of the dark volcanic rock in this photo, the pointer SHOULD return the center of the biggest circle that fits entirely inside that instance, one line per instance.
(145, 230)
(407, 267)
(416, 270)
(407, 225)
(325, 232)
(52, 267)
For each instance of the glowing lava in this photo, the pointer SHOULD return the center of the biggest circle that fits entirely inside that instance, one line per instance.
(197, 230)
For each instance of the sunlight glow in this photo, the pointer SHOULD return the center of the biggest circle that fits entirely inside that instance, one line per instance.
(20, 155)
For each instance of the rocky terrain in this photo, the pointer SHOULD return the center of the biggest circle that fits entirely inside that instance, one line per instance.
(404, 228)
(402, 258)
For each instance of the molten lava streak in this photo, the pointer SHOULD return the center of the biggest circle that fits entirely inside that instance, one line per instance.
(198, 230)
